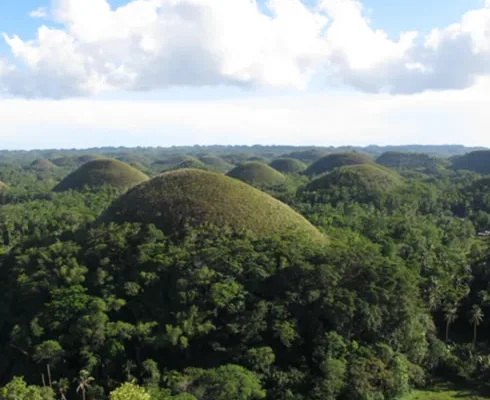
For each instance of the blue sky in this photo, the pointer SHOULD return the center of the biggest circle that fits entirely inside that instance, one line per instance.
(351, 81)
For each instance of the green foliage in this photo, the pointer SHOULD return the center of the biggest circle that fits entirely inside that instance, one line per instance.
(18, 389)
(101, 173)
(130, 391)
(257, 174)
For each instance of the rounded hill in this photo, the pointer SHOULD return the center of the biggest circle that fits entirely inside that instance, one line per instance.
(257, 174)
(336, 160)
(88, 157)
(358, 182)
(402, 160)
(215, 162)
(42, 164)
(476, 161)
(174, 199)
(308, 156)
(288, 165)
(102, 172)
(191, 162)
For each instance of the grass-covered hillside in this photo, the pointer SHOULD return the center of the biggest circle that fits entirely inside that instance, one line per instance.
(335, 160)
(288, 165)
(100, 173)
(257, 174)
(197, 197)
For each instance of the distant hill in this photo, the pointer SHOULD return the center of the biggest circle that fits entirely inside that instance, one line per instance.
(476, 161)
(102, 172)
(336, 160)
(257, 174)
(401, 160)
(174, 199)
(362, 183)
(288, 165)
(215, 162)
(42, 164)
(307, 156)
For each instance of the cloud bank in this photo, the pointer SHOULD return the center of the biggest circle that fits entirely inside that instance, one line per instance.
(90, 48)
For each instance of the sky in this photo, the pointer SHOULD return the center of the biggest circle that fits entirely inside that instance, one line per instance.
(85, 73)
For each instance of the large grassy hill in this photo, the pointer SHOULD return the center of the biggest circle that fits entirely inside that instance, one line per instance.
(197, 197)
(257, 174)
(336, 160)
(102, 172)
(476, 161)
(288, 165)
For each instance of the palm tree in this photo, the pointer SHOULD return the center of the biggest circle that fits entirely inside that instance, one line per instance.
(476, 318)
(450, 316)
(84, 381)
(62, 387)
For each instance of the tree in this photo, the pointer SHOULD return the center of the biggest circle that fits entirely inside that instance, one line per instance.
(450, 316)
(476, 318)
(84, 381)
(130, 391)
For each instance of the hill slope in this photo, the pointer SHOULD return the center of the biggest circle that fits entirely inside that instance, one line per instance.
(336, 160)
(198, 197)
(288, 165)
(307, 156)
(102, 172)
(257, 174)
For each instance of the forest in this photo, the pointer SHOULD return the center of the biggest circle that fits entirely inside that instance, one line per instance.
(244, 273)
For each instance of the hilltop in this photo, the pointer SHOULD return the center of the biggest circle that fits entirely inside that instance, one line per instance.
(336, 160)
(197, 197)
(257, 174)
(102, 172)
(288, 165)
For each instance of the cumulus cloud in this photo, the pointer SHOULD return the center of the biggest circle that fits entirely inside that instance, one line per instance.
(151, 44)
(40, 12)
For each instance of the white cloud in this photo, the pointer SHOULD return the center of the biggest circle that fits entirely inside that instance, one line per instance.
(151, 44)
(39, 12)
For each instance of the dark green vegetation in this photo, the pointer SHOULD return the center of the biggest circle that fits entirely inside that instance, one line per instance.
(335, 160)
(308, 156)
(196, 286)
(257, 174)
(100, 173)
(288, 166)
(174, 199)
(477, 161)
